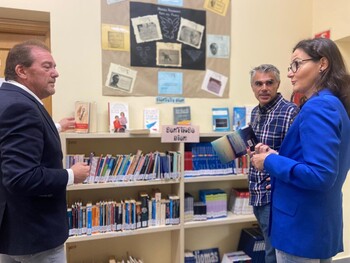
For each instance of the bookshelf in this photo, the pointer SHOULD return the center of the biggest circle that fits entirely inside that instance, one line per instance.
(165, 243)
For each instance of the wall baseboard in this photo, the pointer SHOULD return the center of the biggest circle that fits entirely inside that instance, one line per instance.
(342, 260)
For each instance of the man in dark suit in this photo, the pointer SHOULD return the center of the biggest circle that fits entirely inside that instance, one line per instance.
(33, 210)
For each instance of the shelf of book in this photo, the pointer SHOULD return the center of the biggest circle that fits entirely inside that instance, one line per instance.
(170, 241)
(230, 219)
(141, 241)
(101, 236)
(76, 187)
(222, 232)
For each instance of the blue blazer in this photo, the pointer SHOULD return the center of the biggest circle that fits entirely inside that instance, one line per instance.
(33, 211)
(307, 179)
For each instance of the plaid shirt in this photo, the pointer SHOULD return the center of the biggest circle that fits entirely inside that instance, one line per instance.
(270, 124)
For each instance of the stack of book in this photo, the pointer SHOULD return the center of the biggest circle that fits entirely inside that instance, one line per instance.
(215, 201)
(239, 202)
(189, 202)
(189, 257)
(199, 211)
(236, 257)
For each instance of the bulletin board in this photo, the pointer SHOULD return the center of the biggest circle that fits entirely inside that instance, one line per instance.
(147, 42)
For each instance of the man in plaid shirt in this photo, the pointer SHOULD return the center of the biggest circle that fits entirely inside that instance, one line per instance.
(270, 120)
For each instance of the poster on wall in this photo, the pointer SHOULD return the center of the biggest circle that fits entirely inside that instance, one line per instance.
(167, 37)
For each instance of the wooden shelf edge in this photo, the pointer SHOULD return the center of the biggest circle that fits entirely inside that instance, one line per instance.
(120, 184)
(230, 219)
(215, 178)
(115, 234)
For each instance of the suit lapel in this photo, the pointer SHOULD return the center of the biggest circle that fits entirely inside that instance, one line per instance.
(41, 107)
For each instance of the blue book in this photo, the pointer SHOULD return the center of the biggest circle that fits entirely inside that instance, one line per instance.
(239, 117)
(210, 255)
(221, 119)
(89, 219)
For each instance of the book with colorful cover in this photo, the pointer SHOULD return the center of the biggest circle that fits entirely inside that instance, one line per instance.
(82, 116)
(151, 119)
(182, 115)
(118, 117)
(221, 119)
(235, 144)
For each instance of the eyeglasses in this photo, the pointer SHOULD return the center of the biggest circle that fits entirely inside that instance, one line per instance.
(267, 83)
(295, 65)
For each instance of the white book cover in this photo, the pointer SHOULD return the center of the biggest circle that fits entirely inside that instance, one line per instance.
(151, 119)
(118, 115)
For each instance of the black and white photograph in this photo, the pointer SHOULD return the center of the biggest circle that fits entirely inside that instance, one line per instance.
(146, 28)
(168, 54)
(190, 33)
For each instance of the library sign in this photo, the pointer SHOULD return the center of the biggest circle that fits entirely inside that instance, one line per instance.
(180, 133)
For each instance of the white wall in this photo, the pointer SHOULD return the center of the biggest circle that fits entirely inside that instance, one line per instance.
(262, 32)
(332, 15)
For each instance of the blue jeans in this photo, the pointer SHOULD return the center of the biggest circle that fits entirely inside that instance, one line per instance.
(262, 214)
(55, 255)
(283, 257)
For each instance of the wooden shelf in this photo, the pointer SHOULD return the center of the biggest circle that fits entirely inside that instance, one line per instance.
(215, 178)
(230, 219)
(120, 184)
(114, 234)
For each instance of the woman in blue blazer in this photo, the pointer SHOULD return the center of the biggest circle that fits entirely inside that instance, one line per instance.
(309, 171)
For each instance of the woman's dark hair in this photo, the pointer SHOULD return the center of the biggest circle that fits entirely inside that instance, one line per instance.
(335, 77)
(21, 54)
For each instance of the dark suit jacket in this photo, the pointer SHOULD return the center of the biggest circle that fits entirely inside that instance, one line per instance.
(33, 212)
(307, 179)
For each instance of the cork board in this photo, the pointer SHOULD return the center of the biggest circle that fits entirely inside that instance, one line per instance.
(142, 39)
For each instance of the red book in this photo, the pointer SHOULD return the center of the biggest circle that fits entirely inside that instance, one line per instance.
(188, 161)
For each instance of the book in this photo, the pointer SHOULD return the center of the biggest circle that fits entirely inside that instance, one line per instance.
(252, 243)
(238, 117)
(82, 116)
(210, 255)
(118, 116)
(151, 119)
(236, 257)
(182, 115)
(235, 144)
(221, 119)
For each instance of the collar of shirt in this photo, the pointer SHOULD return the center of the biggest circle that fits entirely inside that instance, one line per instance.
(271, 105)
(13, 82)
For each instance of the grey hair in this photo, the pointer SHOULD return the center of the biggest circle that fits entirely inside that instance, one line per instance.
(265, 68)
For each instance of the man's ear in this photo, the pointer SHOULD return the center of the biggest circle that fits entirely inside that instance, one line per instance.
(21, 71)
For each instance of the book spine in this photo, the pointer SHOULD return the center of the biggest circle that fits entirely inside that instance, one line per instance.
(89, 218)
